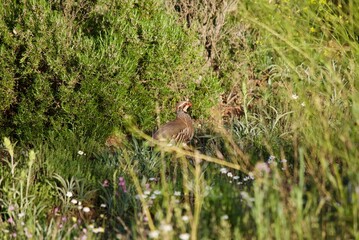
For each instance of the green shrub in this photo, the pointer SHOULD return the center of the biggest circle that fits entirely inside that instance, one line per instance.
(85, 66)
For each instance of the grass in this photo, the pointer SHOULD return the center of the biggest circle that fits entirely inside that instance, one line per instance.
(275, 157)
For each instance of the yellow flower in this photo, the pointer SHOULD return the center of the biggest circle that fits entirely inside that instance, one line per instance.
(312, 29)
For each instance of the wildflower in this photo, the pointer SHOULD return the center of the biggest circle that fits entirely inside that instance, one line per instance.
(56, 211)
(235, 177)
(229, 174)
(21, 215)
(11, 208)
(152, 179)
(79, 207)
(185, 218)
(122, 184)
(105, 183)
(283, 161)
(80, 153)
(154, 234)
(184, 236)
(69, 194)
(74, 219)
(11, 221)
(224, 217)
(157, 192)
(295, 96)
(251, 175)
(86, 209)
(270, 159)
(166, 228)
(103, 205)
(64, 219)
(98, 230)
(223, 170)
(262, 167)
(139, 196)
(153, 196)
(312, 30)
(302, 104)
(147, 192)
(74, 201)
(177, 193)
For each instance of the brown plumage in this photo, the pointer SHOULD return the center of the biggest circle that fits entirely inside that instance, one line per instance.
(179, 130)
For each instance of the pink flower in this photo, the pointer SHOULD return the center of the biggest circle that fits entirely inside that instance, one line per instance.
(122, 184)
(11, 221)
(105, 183)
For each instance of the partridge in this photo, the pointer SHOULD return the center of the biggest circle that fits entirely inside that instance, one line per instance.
(179, 130)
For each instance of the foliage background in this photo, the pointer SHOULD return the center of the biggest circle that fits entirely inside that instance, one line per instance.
(275, 103)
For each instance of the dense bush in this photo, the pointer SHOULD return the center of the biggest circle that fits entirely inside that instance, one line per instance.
(85, 65)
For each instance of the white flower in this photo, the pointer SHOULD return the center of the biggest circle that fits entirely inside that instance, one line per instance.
(185, 218)
(236, 177)
(229, 174)
(184, 236)
(147, 192)
(69, 194)
(74, 201)
(302, 104)
(223, 170)
(80, 153)
(103, 205)
(295, 96)
(86, 209)
(284, 160)
(21, 215)
(79, 207)
(177, 193)
(152, 179)
(224, 217)
(166, 228)
(154, 234)
(139, 196)
(157, 192)
(153, 196)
